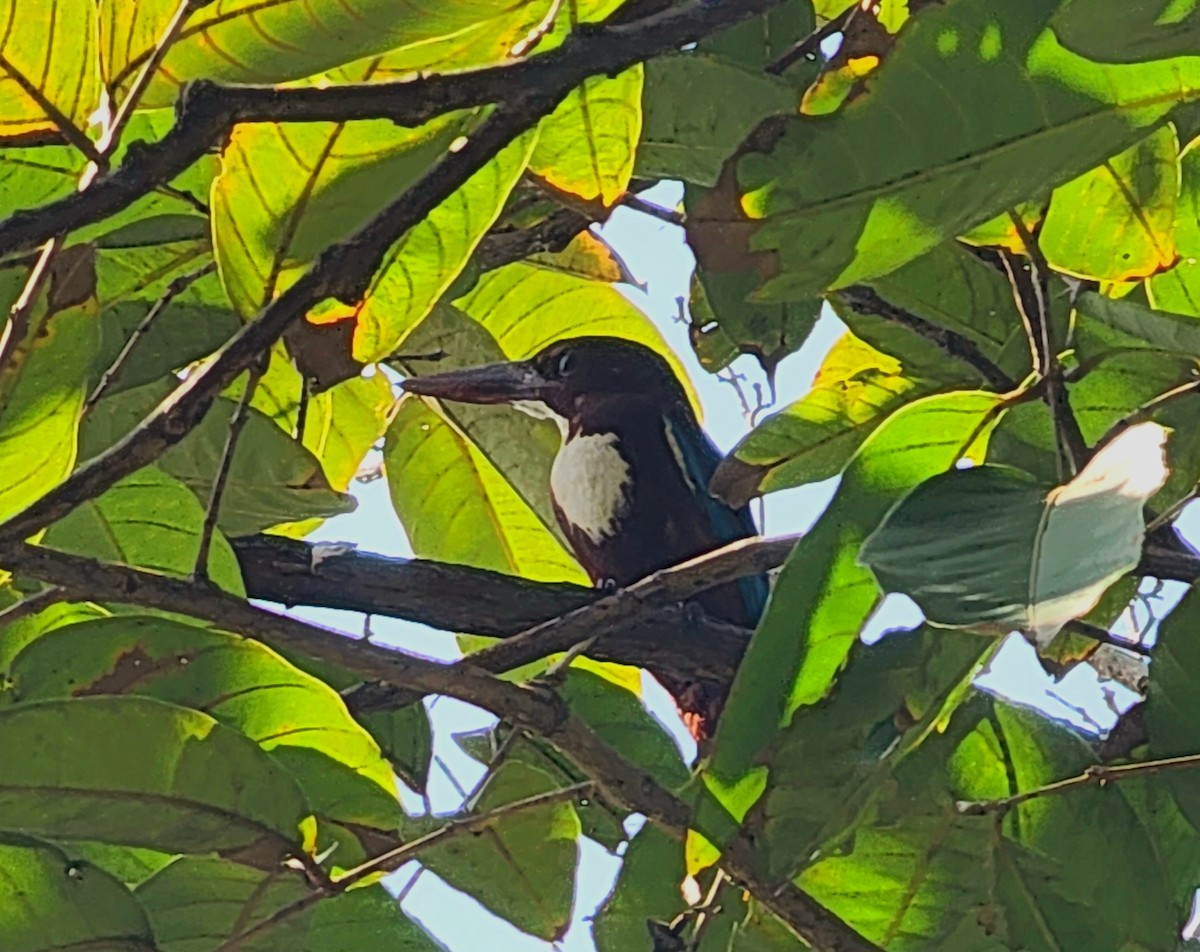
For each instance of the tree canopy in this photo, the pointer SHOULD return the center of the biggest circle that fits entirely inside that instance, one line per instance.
(228, 229)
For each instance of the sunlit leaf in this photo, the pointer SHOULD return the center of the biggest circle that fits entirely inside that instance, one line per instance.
(835, 201)
(248, 41)
(1129, 31)
(48, 902)
(302, 722)
(1178, 289)
(855, 390)
(885, 707)
(823, 596)
(138, 771)
(1115, 222)
(457, 507)
(41, 398)
(586, 146)
(150, 520)
(525, 308)
(49, 76)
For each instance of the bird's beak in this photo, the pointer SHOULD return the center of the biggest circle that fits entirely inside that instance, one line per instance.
(491, 383)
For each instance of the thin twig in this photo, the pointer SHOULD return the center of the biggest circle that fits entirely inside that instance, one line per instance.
(1031, 294)
(395, 858)
(672, 216)
(808, 47)
(17, 327)
(172, 291)
(1098, 775)
(236, 424)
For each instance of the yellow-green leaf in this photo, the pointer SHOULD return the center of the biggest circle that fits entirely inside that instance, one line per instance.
(586, 147)
(1115, 223)
(41, 399)
(49, 71)
(457, 507)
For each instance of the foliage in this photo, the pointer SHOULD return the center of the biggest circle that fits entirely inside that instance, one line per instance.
(1000, 202)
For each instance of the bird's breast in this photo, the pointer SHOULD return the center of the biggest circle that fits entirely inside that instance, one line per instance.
(592, 484)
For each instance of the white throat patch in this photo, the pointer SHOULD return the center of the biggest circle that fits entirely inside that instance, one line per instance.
(590, 479)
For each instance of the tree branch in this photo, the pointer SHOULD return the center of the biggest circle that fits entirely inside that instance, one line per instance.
(533, 709)
(343, 270)
(207, 111)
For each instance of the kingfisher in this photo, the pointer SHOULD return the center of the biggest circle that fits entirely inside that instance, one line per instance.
(629, 483)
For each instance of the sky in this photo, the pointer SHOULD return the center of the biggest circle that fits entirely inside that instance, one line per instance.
(656, 253)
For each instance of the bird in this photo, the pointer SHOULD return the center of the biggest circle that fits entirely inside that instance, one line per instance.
(630, 481)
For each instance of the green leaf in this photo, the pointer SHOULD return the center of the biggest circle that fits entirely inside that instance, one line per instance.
(620, 719)
(41, 398)
(991, 549)
(179, 336)
(32, 177)
(137, 771)
(953, 290)
(244, 42)
(199, 902)
(725, 323)
(521, 449)
(272, 479)
(855, 390)
(1178, 289)
(48, 902)
(302, 722)
(891, 700)
(149, 520)
(48, 67)
(286, 192)
(698, 109)
(1116, 222)
(823, 596)
(837, 200)
(522, 866)
(586, 146)
(647, 888)
(457, 507)
(1129, 31)
(1147, 328)
(129, 864)
(16, 635)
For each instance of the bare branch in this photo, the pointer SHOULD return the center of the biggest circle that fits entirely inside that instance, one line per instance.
(1097, 775)
(213, 512)
(344, 269)
(172, 291)
(206, 110)
(532, 709)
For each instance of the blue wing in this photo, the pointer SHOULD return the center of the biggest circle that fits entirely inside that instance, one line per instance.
(699, 458)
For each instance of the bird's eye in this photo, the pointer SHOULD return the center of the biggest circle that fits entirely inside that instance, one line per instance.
(566, 364)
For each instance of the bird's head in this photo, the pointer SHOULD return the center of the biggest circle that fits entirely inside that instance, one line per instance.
(560, 376)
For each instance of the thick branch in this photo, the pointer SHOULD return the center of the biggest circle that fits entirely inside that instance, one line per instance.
(344, 269)
(207, 110)
(536, 710)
